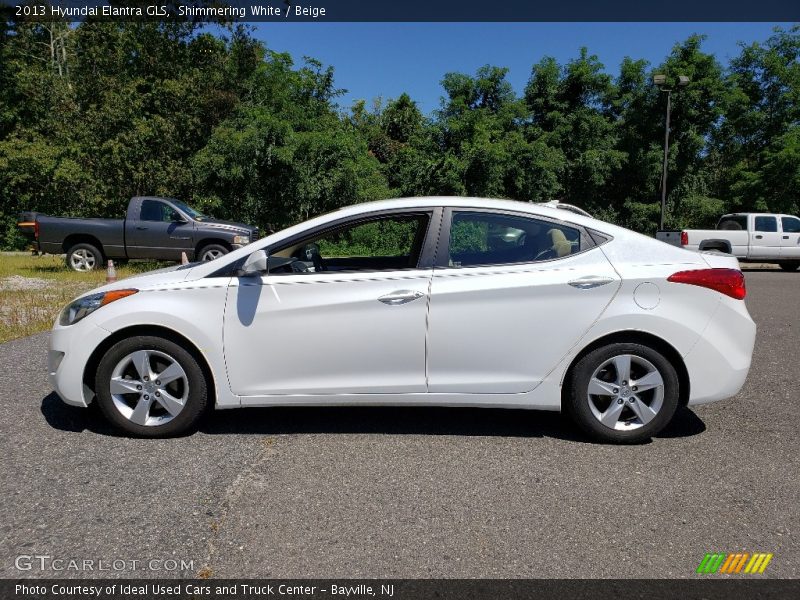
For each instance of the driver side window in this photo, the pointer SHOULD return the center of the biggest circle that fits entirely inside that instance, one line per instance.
(385, 243)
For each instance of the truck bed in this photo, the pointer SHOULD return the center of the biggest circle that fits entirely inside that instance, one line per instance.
(56, 232)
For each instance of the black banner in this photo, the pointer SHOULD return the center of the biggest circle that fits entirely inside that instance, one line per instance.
(400, 589)
(408, 10)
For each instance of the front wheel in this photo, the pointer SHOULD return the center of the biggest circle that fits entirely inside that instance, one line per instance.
(151, 387)
(789, 265)
(622, 393)
(212, 251)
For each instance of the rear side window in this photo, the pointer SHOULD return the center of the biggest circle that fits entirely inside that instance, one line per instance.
(497, 239)
(766, 224)
(790, 224)
(733, 222)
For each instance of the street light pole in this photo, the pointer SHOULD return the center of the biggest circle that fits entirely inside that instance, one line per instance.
(660, 81)
(666, 157)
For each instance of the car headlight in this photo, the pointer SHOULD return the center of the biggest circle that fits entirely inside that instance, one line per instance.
(241, 239)
(83, 307)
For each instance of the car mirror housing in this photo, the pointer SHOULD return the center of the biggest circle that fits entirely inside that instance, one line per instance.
(256, 264)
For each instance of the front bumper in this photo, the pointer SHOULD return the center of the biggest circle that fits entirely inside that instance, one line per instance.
(69, 352)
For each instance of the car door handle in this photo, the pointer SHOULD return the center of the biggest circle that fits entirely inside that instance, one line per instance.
(141, 227)
(589, 282)
(758, 237)
(786, 237)
(400, 297)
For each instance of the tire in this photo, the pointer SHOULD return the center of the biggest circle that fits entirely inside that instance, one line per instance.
(789, 265)
(637, 414)
(170, 408)
(84, 257)
(211, 251)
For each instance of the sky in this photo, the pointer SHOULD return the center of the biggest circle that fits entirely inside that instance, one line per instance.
(386, 59)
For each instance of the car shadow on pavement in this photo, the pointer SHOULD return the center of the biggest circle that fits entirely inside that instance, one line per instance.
(393, 420)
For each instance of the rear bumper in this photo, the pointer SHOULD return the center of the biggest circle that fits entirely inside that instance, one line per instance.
(70, 350)
(719, 362)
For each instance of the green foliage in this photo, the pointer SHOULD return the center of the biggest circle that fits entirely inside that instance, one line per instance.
(94, 113)
(388, 237)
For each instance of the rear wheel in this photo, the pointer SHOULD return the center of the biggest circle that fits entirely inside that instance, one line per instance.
(789, 265)
(622, 393)
(151, 387)
(84, 257)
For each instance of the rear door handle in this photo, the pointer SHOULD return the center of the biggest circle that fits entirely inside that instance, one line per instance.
(758, 237)
(589, 282)
(786, 237)
(141, 227)
(400, 297)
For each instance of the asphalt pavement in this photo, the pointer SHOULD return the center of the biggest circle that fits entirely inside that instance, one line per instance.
(405, 492)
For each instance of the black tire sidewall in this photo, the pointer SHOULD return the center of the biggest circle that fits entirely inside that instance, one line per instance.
(86, 246)
(789, 265)
(208, 247)
(577, 405)
(196, 402)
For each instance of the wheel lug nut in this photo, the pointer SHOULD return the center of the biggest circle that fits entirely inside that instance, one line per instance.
(146, 397)
(138, 387)
(624, 383)
(616, 390)
(158, 394)
(620, 401)
(147, 379)
(632, 400)
(634, 388)
(158, 382)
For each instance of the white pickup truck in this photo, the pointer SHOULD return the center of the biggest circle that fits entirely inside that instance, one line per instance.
(751, 237)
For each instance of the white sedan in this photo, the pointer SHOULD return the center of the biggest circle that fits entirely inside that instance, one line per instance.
(424, 301)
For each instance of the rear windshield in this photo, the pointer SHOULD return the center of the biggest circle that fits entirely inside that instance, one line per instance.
(733, 222)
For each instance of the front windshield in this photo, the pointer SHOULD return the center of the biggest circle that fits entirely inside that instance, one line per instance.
(194, 214)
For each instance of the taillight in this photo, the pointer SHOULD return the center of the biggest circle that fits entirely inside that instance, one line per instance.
(726, 281)
(684, 238)
(36, 230)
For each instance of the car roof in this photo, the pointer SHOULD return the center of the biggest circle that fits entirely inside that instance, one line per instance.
(467, 202)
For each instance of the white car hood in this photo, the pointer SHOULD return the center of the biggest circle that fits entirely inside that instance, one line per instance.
(159, 278)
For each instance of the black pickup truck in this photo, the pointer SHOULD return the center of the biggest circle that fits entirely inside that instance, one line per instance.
(154, 228)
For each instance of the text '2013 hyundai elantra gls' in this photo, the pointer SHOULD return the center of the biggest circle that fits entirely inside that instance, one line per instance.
(425, 301)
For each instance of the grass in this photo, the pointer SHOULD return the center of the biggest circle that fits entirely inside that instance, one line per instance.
(48, 286)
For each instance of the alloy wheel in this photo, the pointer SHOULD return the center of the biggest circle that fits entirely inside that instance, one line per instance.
(625, 392)
(82, 260)
(149, 387)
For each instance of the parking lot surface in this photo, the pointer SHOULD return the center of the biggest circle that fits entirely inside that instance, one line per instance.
(405, 492)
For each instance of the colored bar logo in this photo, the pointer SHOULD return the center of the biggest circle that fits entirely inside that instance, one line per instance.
(740, 562)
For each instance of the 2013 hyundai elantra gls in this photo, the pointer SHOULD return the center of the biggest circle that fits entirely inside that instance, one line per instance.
(425, 301)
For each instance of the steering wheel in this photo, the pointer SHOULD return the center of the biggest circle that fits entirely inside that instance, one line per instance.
(546, 254)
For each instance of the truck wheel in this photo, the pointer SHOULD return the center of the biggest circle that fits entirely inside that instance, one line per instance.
(84, 257)
(789, 265)
(212, 251)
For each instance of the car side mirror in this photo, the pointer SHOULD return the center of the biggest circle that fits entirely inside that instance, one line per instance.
(177, 218)
(256, 264)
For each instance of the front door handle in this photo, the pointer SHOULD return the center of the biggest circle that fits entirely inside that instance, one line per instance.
(141, 227)
(400, 297)
(589, 282)
(758, 237)
(786, 237)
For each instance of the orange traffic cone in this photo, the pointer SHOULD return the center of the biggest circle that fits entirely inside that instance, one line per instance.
(184, 259)
(111, 272)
